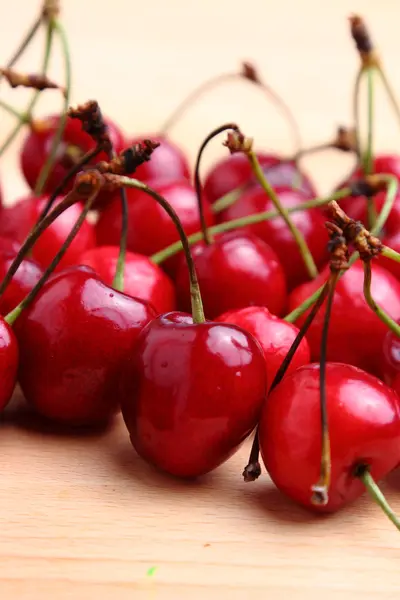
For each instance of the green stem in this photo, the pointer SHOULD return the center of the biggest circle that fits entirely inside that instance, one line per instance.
(378, 497)
(51, 158)
(390, 93)
(197, 305)
(229, 198)
(356, 111)
(13, 111)
(24, 44)
(390, 253)
(176, 247)
(296, 233)
(119, 277)
(383, 316)
(368, 157)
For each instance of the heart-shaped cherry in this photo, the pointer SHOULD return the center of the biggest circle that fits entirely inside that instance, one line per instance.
(169, 163)
(8, 363)
(236, 270)
(274, 335)
(364, 429)
(142, 278)
(74, 339)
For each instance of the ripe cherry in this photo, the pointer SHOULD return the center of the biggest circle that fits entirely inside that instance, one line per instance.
(8, 246)
(150, 228)
(396, 384)
(274, 335)
(276, 233)
(8, 362)
(236, 270)
(193, 392)
(27, 275)
(142, 278)
(16, 221)
(74, 339)
(389, 357)
(364, 428)
(355, 334)
(168, 163)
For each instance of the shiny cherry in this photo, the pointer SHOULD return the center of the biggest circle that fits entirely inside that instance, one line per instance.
(236, 270)
(274, 335)
(74, 339)
(16, 221)
(150, 228)
(8, 362)
(389, 357)
(28, 274)
(168, 163)
(193, 392)
(276, 233)
(142, 278)
(356, 334)
(8, 245)
(364, 428)
(396, 384)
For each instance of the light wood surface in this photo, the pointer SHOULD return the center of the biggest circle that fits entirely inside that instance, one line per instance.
(83, 517)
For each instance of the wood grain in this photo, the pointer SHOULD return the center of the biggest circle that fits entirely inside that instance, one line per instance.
(83, 517)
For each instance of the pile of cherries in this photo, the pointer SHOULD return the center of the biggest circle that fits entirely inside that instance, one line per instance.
(190, 345)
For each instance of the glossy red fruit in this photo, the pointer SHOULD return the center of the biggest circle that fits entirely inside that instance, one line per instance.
(192, 393)
(16, 221)
(26, 277)
(274, 335)
(8, 246)
(396, 384)
(74, 339)
(276, 233)
(142, 278)
(150, 228)
(235, 271)
(8, 363)
(235, 170)
(364, 427)
(167, 163)
(389, 357)
(356, 334)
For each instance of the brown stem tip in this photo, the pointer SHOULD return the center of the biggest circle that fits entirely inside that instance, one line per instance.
(51, 10)
(237, 142)
(129, 159)
(363, 41)
(29, 80)
(369, 186)
(250, 72)
(251, 472)
(337, 248)
(92, 122)
(345, 139)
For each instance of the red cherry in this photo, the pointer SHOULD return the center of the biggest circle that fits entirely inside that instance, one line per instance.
(167, 163)
(235, 271)
(390, 357)
(193, 392)
(26, 277)
(73, 341)
(8, 363)
(276, 233)
(355, 333)
(235, 170)
(274, 335)
(396, 384)
(8, 246)
(150, 228)
(364, 426)
(16, 221)
(142, 278)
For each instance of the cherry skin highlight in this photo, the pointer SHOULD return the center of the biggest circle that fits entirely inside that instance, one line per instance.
(356, 334)
(74, 339)
(193, 393)
(167, 163)
(142, 278)
(276, 233)
(236, 270)
(364, 428)
(8, 363)
(274, 335)
(17, 221)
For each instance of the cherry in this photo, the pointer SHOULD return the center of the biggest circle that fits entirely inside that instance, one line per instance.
(193, 392)
(235, 271)
(274, 335)
(8, 362)
(390, 357)
(8, 246)
(356, 334)
(276, 233)
(168, 163)
(235, 171)
(142, 278)
(150, 228)
(74, 339)
(27, 275)
(396, 384)
(364, 428)
(16, 221)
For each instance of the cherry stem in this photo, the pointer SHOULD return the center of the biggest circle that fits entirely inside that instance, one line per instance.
(377, 496)
(13, 111)
(296, 233)
(197, 304)
(12, 316)
(390, 253)
(383, 316)
(176, 247)
(119, 277)
(24, 44)
(197, 184)
(52, 156)
(390, 92)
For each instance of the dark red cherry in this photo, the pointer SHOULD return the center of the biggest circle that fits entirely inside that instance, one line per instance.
(236, 270)
(356, 334)
(276, 233)
(235, 170)
(150, 228)
(396, 384)
(389, 357)
(16, 221)
(274, 335)
(8, 363)
(26, 277)
(8, 246)
(364, 428)
(167, 163)
(142, 278)
(193, 392)
(74, 339)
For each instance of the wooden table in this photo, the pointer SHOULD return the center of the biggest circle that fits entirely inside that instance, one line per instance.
(83, 517)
